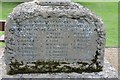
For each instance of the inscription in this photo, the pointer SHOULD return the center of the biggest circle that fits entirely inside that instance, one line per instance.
(53, 38)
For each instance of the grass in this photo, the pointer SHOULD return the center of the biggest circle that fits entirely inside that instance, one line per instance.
(1, 43)
(95, 0)
(7, 7)
(108, 11)
(1, 33)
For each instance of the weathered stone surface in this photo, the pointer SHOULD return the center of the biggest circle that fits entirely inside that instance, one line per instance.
(107, 70)
(108, 73)
(53, 37)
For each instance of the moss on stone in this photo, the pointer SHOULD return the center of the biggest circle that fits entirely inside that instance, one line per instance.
(54, 67)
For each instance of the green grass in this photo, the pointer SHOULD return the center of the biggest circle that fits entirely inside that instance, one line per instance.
(2, 44)
(1, 33)
(7, 8)
(108, 11)
(95, 0)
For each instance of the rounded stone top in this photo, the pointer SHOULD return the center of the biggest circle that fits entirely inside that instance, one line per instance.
(53, 0)
(52, 9)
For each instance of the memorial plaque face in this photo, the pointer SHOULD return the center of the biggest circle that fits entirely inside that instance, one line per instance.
(54, 44)
(59, 39)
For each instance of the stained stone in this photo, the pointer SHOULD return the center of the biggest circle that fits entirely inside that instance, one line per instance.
(53, 37)
(111, 74)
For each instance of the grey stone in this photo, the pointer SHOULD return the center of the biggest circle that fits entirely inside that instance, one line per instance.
(53, 37)
(111, 74)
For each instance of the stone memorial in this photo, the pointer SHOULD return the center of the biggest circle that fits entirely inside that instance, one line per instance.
(45, 36)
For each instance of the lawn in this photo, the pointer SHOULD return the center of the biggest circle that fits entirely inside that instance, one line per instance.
(108, 11)
(1, 33)
(1, 43)
(7, 8)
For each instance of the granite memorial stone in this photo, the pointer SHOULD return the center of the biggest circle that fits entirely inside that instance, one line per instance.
(53, 37)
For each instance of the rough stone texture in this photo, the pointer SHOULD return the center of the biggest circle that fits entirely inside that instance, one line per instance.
(108, 70)
(19, 25)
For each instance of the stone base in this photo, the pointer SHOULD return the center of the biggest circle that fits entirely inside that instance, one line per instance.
(108, 72)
